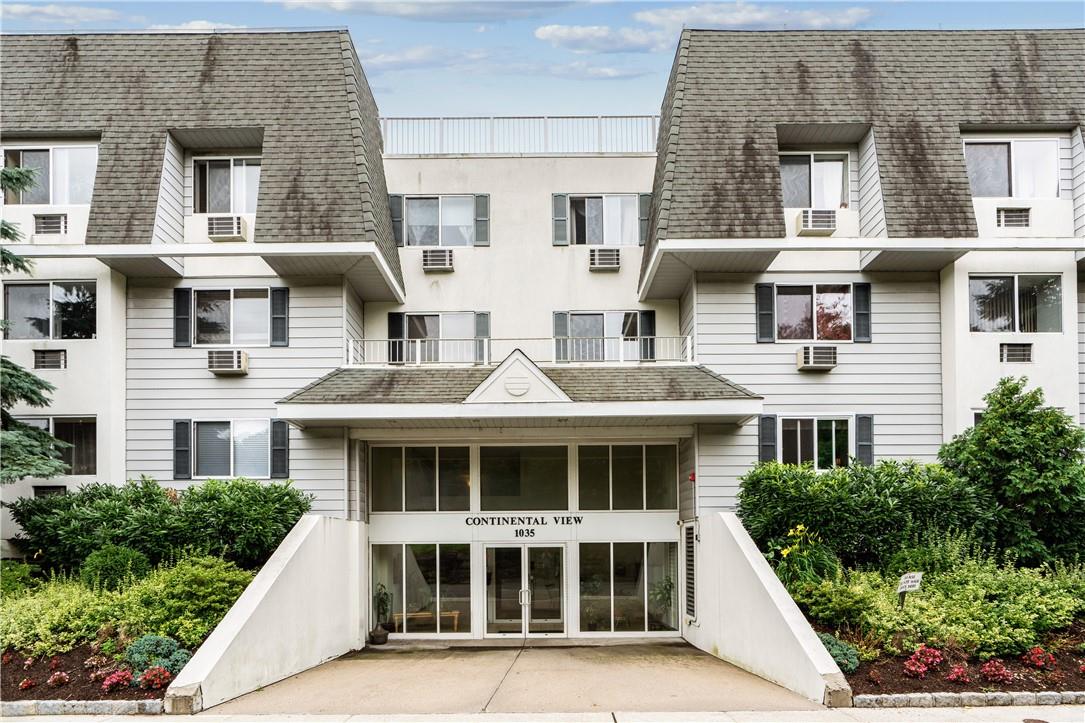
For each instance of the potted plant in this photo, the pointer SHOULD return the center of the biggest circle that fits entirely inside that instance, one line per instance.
(382, 605)
(660, 603)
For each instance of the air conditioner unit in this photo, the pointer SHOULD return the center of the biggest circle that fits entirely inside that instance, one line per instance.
(1012, 218)
(226, 228)
(50, 224)
(228, 362)
(815, 358)
(604, 259)
(817, 222)
(437, 259)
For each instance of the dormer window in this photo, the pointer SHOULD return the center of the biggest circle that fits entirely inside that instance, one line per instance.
(1013, 168)
(814, 180)
(226, 185)
(63, 175)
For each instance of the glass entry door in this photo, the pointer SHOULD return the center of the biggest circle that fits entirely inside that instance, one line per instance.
(525, 590)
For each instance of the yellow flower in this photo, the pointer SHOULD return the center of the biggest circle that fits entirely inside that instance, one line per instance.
(785, 552)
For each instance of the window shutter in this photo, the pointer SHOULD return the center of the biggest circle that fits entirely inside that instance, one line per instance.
(482, 219)
(646, 327)
(182, 317)
(280, 317)
(766, 315)
(864, 438)
(182, 449)
(645, 211)
(280, 449)
(482, 334)
(766, 443)
(395, 204)
(862, 312)
(561, 219)
(561, 336)
(397, 333)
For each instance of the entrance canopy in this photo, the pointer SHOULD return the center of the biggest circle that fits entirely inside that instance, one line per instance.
(519, 393)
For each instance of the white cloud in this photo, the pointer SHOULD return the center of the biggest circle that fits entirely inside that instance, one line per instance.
(664, 24)
(198, 26)
(437, 10)
(422, 56)
(581, 70)
(59, 14)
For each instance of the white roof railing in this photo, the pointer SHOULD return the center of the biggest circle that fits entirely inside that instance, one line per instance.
(508, 135)
(487, 352)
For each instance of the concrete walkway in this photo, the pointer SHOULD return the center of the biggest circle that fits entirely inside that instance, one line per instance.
(562, 680)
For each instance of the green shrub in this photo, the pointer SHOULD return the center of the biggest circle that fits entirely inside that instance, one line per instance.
(846, 656)
(840, 602)
(112, 566)
(934, 553)
(864, 514)
(15, 577)
(1031, 459)
(156, 650)
(56, 616)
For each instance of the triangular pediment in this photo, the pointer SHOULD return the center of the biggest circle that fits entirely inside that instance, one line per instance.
(517, 379)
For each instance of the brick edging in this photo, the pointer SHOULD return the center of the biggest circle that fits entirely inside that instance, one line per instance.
(16, 708)
(962, 700)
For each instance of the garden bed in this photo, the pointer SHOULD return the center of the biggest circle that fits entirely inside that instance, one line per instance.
(83, 683)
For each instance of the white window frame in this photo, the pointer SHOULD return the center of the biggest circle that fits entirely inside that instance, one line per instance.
(679, 596)
(1015, 275)
(233, 192)
(50, 147)
(35, 282)
(232, 291)
(603, 196)
(643, 475)
(49, 427)
(845, 180)
(1013, 141)
(814, 308)
(816, 418)
(230, 421)
(440, 214)
(620, 338)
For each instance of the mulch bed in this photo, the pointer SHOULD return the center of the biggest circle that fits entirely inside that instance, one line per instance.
(886, 675)
(80, 685)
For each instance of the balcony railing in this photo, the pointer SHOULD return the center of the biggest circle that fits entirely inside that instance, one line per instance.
(484, 352)
(525, 134)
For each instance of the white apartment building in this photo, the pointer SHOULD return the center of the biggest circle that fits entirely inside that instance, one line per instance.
(529, 354)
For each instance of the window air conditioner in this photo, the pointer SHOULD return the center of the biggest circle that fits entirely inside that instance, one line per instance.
(815, 358)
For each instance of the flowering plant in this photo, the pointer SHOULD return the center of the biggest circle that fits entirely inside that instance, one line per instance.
(1038, 658)
(959, 674)
(115, 680)
(923, 660)
(27, 684)
(8, 658)
(28, 664)
(155, 677)
(993, 671)
(54, 663)
(58, 679)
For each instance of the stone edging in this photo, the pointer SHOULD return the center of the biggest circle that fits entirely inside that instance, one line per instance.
(80, 707)
(961, 700)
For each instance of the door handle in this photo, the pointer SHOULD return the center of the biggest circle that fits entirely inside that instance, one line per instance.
(527, 596)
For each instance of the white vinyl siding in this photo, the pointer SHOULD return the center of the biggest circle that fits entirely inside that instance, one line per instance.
(1081, 344)
(1077, 180)
(169, 219)
(869, 187)
(165, 383)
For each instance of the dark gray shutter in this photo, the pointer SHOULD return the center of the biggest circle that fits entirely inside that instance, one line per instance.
(561, 219)
(280, 317)
(395, 204)
(645, 211)
(482, 334)
(182, 449)
(766, 438)
(861, 293)
(646, 327)
(482, 219)
(766, 313)
(561, 336)
(864, 438)
(182, 317)
(397, 333)
(280, 449)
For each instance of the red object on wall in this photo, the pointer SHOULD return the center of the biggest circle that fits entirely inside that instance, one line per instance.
(692, 476)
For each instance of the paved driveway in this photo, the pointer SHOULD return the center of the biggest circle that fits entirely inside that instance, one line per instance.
(643, 677)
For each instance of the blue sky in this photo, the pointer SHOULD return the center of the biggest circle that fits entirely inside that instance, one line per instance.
(528, 57)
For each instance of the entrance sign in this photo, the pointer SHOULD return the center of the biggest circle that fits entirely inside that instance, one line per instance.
(525, 524)
(909, 582)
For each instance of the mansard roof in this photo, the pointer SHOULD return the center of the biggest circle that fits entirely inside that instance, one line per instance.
(717, 174)
(322, 178)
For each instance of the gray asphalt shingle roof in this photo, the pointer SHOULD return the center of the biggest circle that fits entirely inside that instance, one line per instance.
(717, 174)
(322, 177)
(452, 385)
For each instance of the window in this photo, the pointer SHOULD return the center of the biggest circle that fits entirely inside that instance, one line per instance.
(226, 185)
(440, 221)
(49, 490)
(628, 586)
(822, 442)
(231, 316)
(814, 180)
(611, 220)
(1013, 168)
(81, 433)
(811, 312)
(524, 478)
(439, 337)
(420, 479)
(51, 310)
(422, 588)
(233, 448)
(628, 477)
(63, 175)
(604, 335)
(1025, 303)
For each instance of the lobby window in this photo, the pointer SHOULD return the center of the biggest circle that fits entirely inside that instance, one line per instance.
(231, 316)
(628, 586)
(422, 588)
(825, 443)
(1025, 303)
(233, 448)
(1013, 168)
(51, 310)
(80, 433)
(814, 180)
(225, 185)
(628, 477)
(63, 175)
(524, 478)
(420, 479)
(821, 312)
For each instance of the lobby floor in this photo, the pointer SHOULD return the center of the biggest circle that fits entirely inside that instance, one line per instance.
(645, 677)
